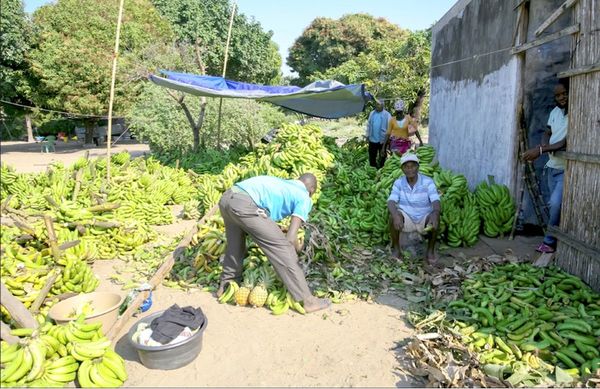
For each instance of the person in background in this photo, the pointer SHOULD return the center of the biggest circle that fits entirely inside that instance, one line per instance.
(414, 207)
(554, 139)
(377, 125)
(252, 207)
(400, 128)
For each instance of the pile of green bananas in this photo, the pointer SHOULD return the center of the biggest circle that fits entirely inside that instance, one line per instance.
(452, 187)
(426, 154)
(497, 208)
(460, 225)
(54, 355)
(543, 317)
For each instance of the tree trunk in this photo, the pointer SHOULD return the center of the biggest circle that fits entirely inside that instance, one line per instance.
(199, 123)
(90, 126)
(195, 125)
(30, 137)
(416, 111)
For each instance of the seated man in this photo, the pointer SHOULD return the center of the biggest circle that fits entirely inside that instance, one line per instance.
(413, 204)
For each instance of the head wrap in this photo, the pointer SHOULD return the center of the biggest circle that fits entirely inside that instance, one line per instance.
(399, 105)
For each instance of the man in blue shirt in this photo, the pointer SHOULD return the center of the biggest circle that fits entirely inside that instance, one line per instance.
(252, 207)
(414, 207)
(377, 126)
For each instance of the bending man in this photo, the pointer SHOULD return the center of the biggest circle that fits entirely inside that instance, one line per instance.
(252, 207)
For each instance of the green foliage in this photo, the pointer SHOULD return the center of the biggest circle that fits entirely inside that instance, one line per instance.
(15, 35)
(393, 68)
(157, 118)
(342, 129)
(71, 60)
(253, 57)
(328, 43)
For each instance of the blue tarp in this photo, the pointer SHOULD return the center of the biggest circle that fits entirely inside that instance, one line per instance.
(326, 99)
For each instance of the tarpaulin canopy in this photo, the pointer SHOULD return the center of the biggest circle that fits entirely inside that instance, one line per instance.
(326, 99)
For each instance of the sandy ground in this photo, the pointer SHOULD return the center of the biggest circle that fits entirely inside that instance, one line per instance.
(351, 344)
(28, 158)
(348, 345)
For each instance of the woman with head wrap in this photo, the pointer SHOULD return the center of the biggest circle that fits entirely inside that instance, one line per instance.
(400, 128)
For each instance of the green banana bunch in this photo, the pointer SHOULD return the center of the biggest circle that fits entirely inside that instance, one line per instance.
(227, 296)
(497, 208)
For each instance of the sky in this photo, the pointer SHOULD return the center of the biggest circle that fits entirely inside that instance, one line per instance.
(287, 19)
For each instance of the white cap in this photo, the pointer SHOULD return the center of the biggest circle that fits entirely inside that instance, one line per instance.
(408, 157)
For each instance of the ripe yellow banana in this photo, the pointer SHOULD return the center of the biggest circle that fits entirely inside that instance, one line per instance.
(83, 374)
(101, 380)
(21, 369)
(115, 363)
(38, 355)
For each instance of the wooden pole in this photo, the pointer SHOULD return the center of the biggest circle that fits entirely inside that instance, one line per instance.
(158, 276)
(16, 309)
(39, 300)
(112, 90)
(224, 72)
(52, 241)
(5, 334)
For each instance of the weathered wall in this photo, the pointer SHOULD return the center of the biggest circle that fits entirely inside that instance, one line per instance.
(474, 87)
(473, 90)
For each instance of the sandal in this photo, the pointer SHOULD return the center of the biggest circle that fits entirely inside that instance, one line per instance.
(544, 248)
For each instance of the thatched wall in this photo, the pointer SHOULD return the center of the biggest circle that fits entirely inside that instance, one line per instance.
(579, 250)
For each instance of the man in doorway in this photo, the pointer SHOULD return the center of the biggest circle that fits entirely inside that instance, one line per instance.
(377, 125)
(252, 207)
(554, 139)
(414, 207)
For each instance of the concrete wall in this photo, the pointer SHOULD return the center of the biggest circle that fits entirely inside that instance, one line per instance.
(473, 90)
(474, 87)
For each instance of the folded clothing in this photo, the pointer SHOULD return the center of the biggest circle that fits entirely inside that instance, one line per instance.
(144, 337)
(173, 321)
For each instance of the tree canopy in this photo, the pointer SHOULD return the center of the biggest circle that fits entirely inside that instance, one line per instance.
(72, 53)
(253, 57)
(328, 43)
(393, 68)
(15, 35)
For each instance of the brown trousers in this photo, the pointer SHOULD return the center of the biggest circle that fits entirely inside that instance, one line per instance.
(242, 216)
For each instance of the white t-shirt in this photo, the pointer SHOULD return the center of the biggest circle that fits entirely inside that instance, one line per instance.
(558, 123)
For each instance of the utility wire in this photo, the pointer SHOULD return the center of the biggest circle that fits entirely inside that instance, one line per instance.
(471, 58)
(74, 115)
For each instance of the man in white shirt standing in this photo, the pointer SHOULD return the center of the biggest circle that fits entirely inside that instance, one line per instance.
(377, 125)
(554, 139)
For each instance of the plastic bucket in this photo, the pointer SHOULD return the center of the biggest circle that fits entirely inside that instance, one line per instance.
(105, 307)
(169, 356)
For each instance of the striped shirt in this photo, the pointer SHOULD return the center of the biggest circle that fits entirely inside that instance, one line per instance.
(416, 201)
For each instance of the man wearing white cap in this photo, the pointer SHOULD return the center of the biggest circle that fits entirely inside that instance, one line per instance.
(377, 125)
(414, 207)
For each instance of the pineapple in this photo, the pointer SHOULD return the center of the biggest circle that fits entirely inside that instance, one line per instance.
(260, 292)
(241, 295)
